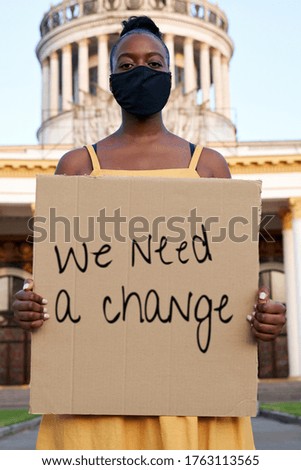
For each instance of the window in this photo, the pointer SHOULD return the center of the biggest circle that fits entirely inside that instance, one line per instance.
(273, 355)
(272, 276)
(11, 280)
(14, 342)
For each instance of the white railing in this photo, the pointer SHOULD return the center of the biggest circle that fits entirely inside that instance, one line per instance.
(71, 10)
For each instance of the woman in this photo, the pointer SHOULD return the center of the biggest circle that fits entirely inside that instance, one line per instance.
(140, 82)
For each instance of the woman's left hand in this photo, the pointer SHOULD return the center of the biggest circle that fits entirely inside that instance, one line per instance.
(268, 317)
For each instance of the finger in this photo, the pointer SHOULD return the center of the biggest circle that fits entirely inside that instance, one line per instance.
(270, 318)
(272, 307)
(28, 284)
(263, 336)
(29, 326)
(28, 305)
(29, 316)
(29, 295)
(263, 295)
(268, 329)
(250, 317)
(36, 324)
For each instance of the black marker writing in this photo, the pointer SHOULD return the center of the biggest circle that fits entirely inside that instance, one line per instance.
(67, 309)
(85, 255)
(71, 253)
(199, 308)
(200, 248)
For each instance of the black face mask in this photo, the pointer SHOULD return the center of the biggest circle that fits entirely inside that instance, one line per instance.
(141, 91)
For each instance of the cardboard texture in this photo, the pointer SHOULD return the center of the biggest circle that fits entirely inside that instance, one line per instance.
(153, 327)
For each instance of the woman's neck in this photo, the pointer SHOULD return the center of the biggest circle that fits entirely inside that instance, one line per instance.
(140, 129)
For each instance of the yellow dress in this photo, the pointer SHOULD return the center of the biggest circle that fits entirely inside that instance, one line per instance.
(69, 432)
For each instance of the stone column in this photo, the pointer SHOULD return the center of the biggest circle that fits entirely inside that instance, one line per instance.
(169, 41)
(296, 211)
(189, 68)
(83, 69)
(169, 5)
(67, 77)
(291, 294)
(205, 73)
(217, 80)
(54, 84)
(81, 7)
(100, 6)
(103, 62)
(226, 87)
(45, 89)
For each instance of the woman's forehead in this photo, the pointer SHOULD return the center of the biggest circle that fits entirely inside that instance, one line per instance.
(140, 42)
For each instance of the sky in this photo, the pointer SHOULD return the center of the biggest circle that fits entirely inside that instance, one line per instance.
(265, 71)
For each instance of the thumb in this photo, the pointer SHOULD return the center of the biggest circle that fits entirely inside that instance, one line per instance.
(28, 284)
(263, 295)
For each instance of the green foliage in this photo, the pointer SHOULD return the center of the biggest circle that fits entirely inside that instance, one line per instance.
(292, 407)
(8, 417)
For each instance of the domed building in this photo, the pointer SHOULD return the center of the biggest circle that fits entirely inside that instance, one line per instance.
(76, 39)
(78, 108)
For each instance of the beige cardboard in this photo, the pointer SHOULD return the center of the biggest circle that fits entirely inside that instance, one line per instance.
(135, 366)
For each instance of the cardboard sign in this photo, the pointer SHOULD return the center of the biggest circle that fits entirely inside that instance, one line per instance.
(149, 282)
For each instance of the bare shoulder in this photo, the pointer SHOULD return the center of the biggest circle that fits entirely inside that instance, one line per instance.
(213, 164)
(74, 162)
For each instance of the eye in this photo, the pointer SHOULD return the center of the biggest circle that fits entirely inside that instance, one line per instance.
(125, 66)
(154, 64)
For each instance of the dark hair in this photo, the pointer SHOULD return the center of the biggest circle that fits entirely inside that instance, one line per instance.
(140, 22)
(138, 25)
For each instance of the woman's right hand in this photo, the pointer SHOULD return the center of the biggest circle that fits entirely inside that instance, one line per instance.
(29, 308)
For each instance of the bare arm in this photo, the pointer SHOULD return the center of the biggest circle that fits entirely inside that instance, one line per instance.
(75, 162)
(213, 165)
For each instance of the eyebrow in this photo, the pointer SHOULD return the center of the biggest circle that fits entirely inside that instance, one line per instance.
(132, 54)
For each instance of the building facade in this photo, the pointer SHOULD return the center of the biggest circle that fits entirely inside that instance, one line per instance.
(78, 108)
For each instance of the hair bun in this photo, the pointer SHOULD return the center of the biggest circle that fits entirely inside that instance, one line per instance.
(140, 22)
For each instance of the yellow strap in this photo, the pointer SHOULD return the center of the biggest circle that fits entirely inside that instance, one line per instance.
(93, 156)
(195, 157)
(192, 166)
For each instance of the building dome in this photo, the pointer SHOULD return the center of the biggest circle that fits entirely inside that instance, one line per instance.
(76, 38)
